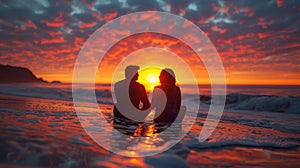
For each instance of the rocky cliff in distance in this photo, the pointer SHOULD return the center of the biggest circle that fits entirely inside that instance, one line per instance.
(12, 74)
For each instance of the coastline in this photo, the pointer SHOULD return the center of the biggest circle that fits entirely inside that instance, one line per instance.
(50, 129)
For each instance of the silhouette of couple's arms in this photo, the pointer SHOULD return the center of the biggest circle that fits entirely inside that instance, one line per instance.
(129, 101)
(129, 95)
(139, 99)
(137, 94)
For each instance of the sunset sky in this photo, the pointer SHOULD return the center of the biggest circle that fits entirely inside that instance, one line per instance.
(258, 41)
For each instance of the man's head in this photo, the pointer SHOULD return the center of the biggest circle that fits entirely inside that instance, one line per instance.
(131, 72)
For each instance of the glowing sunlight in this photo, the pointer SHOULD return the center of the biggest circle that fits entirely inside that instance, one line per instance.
(149, 77)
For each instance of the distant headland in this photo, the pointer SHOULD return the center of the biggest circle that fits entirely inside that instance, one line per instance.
(14, 74)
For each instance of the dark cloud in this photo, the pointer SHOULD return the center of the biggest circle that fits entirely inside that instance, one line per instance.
(240, 30)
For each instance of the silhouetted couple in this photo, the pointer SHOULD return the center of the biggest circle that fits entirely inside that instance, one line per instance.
(133, 102)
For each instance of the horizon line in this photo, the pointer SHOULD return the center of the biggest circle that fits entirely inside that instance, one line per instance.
(266, 84)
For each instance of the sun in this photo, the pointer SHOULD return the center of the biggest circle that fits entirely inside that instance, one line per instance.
(149, 77)
(153, 79)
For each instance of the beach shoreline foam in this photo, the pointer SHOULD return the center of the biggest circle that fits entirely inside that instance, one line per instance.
(46, 132)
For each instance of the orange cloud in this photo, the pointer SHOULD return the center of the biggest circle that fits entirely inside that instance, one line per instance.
(86, 25)
(56, 22)
(29, 23)
(55, 40)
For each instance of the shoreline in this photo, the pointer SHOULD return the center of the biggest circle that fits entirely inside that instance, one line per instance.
(52, 129)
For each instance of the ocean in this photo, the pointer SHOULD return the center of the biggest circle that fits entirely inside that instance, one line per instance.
(40, 128)
(272, 98)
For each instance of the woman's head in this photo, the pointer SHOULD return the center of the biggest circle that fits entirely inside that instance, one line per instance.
(167, 77)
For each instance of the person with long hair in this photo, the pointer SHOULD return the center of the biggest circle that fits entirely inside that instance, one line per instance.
(171, 108)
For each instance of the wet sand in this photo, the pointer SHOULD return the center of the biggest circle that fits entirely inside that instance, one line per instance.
(47, 133)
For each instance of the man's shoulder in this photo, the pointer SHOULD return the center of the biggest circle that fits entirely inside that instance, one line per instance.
(137, 84)
(120, 82)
